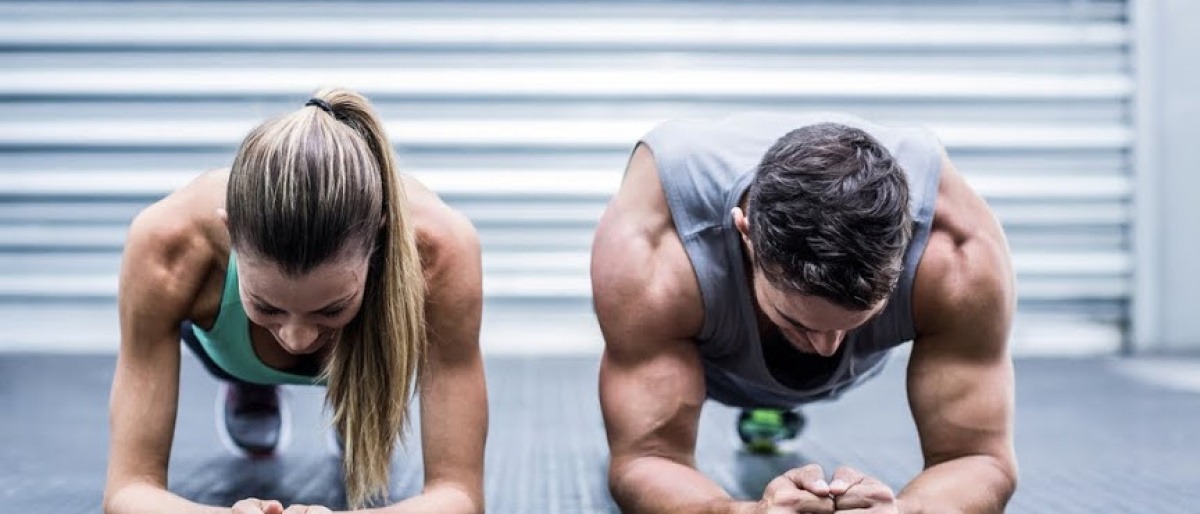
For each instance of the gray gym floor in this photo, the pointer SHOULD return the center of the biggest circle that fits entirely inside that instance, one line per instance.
(1090, 438)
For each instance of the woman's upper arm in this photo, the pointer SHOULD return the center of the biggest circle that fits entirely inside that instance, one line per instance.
(161, 272)
(454, 294)
(454, 416)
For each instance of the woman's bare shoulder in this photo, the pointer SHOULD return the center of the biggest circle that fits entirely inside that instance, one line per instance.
(173, 244)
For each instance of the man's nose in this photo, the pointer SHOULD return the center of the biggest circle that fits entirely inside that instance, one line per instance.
(826, 343)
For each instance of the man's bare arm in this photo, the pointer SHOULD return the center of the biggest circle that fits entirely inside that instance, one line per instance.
(651, 379)
(651, 409)
(960, 374)
(964, 415)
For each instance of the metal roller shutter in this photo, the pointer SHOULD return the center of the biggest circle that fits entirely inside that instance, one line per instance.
(521, 116)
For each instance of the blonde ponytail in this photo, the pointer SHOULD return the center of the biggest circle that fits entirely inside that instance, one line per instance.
(372, 374)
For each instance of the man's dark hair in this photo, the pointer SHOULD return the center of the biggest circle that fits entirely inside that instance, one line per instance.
(829, 215)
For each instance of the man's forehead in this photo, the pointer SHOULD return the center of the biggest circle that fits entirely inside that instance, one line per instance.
(816, 313)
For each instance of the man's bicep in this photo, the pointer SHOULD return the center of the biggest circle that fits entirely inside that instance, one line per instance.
(651, 399)
(960, 387)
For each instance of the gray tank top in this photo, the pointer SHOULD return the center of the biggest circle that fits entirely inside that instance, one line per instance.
(705, 168)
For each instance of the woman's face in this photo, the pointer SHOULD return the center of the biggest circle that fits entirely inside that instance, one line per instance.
(303, 312)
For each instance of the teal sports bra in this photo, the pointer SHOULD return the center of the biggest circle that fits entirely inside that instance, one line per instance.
(228, 342)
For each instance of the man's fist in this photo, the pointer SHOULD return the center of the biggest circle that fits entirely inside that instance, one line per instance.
(801, 490)
(853, 490)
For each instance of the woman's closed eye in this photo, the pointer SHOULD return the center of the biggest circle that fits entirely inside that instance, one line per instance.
(328, 312)
(267, 309)
(333, 311)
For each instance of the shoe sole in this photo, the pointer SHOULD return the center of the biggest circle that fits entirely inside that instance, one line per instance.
(285, 426)
(768, 448)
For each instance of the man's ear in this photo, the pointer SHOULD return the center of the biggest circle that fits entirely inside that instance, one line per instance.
(224, 216)
(741, 223)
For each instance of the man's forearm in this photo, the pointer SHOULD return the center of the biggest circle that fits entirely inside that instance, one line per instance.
(656, 485)
(977, 484)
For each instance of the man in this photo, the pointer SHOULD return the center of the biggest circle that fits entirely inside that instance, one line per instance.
(768, 261)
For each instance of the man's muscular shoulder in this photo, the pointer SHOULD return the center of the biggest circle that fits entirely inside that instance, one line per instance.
(965, 277)
(643, 284)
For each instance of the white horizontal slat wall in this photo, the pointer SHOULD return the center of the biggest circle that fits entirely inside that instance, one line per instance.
(521, 116)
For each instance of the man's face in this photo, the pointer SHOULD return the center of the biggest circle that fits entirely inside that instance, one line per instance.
(810, 323)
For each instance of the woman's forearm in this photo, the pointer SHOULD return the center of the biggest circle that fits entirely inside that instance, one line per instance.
(143, 498)
(445, 499)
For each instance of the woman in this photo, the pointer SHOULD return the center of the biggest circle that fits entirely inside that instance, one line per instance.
(311, 260)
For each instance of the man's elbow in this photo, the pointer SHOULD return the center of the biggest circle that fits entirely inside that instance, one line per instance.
(1010, 473)
(1006, 470)
(618, 471)
(623, 476)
